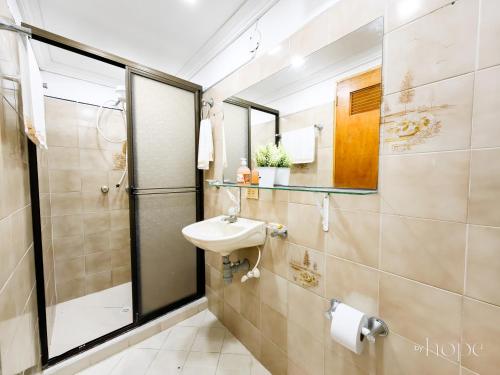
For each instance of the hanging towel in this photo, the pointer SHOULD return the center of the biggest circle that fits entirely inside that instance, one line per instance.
(32, 94)
(224, 153)
(300, 144)
(205, 145)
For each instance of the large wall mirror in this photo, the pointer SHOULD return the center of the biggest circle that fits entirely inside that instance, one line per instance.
(323, 109)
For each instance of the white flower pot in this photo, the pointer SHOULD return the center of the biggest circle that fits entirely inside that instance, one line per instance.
(266, 176)
(282, 176)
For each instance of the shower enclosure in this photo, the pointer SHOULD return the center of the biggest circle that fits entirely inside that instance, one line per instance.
(110, 197)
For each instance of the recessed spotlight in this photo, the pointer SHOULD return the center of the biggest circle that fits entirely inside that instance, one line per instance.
(297, 61)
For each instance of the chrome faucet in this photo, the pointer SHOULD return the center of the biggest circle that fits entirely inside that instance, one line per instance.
(231, 217)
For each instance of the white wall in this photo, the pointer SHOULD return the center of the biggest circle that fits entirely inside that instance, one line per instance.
(63, 87)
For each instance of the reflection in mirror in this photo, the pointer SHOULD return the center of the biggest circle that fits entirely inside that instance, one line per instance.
(329, 112)
(246, 126)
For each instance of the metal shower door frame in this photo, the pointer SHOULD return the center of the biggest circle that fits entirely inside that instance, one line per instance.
(200, 258)
(138, 320)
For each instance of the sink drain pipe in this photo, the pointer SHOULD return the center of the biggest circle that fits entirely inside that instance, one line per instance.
(229, 268)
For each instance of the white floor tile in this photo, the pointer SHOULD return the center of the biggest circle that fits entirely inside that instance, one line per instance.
(194, 321)
(209, 340)
(104, 367)
(154, 342)
(135, 361)
(198, 371)
(240, 362)
(168, 362)
(180, 338)
(201, 359)
(201, 346)
(232, 345)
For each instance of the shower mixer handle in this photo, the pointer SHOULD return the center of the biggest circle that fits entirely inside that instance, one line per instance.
(104, 189)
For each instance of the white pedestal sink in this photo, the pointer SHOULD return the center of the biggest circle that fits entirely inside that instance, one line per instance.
(223, 237)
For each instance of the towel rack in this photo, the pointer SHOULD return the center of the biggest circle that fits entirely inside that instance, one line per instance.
(13, 27)
(319, 127)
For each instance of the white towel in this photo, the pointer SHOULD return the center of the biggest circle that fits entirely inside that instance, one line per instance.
(300, 144)
(224, 153)
(32, 94)
(205, 145)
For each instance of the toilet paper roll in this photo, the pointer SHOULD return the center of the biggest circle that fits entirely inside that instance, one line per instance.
(346, 326)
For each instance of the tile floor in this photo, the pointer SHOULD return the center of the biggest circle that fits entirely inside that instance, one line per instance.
(200, 345)
(96, 313)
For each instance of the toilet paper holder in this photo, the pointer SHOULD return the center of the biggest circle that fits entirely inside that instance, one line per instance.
(375, 326)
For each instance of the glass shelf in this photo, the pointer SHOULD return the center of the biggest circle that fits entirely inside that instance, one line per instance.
(325, 190)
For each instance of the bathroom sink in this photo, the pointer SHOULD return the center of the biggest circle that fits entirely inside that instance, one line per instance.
(223, 237)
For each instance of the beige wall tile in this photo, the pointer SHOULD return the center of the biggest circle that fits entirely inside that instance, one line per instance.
(304, 226)
(446, 105)
(99, 160)
(94, 201)
(431, 186)
(399, 12)
(69, 269)
(274, 256)
(63, 136)
(70, 289)
(68, 225)
(273, 358)
(119, 219)
(354, 235)
(96, 222)
(417, 48)
(273, 326)
(483, 264)
(232, 295)
(429, 251)
(64, 158)
(119, 239)
(64, 181)
(354, 284)
(336, 364)
(97, 262)
(120, 258)
(305, 349)
(274, 291)
(484, 201)
(485, 132)
(68, 247)
(97, 281)
(250, 308)
(121, 275)
(96, 242)
(304, 261)
(306, 309)
(481, 329)
(93, 180)
(66, 203)
(418, 311)
(489, 31)
(400, 356)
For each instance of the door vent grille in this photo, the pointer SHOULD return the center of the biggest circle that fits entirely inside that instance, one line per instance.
(366, 99)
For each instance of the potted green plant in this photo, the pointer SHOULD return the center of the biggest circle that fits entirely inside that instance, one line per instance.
(267, 159)
(283, 167)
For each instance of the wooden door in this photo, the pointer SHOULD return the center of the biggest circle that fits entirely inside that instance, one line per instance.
(357, 123)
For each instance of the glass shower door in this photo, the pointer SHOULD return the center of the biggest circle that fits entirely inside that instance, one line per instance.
(165, 193)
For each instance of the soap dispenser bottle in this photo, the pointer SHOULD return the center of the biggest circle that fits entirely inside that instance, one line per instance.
(243, 173)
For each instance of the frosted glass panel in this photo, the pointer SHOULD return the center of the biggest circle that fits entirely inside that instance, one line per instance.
(236, 132)
(164, 134)
(167, 260)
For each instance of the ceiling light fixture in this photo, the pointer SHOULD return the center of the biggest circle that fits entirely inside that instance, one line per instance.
(297, 61)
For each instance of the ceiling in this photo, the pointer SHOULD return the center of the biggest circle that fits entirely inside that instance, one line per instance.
(173, 36)
(343, 55)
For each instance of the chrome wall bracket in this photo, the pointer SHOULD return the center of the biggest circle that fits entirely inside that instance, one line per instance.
(374, 327)
(324, 211)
